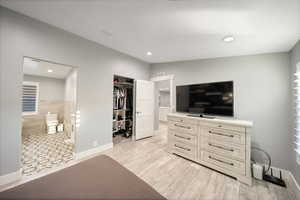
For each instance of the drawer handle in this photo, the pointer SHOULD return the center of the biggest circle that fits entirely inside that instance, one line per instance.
(216, 159)
(187, 127)
(187, 138)
(187, 149)
(222, 134)
(220, 147)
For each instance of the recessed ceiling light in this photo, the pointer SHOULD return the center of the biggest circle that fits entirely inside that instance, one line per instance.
(149, 53)
(50, 70)
(228, 39)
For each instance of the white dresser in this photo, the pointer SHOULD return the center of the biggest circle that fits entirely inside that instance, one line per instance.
(220, 144)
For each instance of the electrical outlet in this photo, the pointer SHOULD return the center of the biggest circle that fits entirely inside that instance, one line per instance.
(95, 143)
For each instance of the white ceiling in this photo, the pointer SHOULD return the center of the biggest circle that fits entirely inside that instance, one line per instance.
(174, 30)
(40, 68)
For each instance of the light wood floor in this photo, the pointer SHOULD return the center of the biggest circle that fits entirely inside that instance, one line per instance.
(177, 178)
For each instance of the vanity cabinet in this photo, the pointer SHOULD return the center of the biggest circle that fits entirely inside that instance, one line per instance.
(220, 144)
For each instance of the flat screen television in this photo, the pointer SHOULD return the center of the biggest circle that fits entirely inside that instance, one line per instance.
(206, 98)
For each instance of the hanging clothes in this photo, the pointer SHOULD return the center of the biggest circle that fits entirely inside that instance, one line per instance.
(120, 96)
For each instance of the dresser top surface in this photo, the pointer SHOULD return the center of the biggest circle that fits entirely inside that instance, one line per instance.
(224, 120)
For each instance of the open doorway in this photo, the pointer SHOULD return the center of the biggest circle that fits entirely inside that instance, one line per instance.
(163, 100)
(49, 104)
(123, 94)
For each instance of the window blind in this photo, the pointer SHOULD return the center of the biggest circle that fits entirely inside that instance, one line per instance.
(30, 98)
(297, 102)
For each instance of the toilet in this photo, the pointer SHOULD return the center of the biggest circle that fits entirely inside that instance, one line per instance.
(51, 123)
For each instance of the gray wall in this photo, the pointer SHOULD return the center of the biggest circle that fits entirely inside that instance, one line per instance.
(50, 89)
(295, 58)
(23, 36)
(261, 94)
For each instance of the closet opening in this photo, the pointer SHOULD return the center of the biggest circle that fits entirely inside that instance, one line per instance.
(123, 107)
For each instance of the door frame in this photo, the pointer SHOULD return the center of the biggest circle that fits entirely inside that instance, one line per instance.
(77, 114)
(133, 104)
(165, 78)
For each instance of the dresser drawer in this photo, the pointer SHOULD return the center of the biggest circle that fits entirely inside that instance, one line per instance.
(223, 135)
(183, 127)
(182, 149)
(183, 137)
(223, 126)
(182, 120)
(225, 163)
(229, 150)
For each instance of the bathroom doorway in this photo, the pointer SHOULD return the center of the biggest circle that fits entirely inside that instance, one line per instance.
(163, 100)
(49, 106)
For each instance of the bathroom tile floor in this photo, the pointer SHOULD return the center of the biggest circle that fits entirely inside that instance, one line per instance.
(41, 151)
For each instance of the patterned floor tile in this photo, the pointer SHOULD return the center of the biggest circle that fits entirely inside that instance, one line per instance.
(42, 151)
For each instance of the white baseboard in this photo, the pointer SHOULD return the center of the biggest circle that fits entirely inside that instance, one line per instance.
(11, 177)
(92, 151)
(16, 176)
(294, 185)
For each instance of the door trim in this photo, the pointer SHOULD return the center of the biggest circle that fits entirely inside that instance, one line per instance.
(164, 78)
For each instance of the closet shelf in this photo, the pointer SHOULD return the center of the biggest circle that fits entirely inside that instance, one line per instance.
(123, 84)
(121, 109)
(122, 120)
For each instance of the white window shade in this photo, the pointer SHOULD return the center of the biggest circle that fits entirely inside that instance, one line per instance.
(30, 98)
(297, 106)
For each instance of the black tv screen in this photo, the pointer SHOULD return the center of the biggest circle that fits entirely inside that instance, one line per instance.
(206, 98)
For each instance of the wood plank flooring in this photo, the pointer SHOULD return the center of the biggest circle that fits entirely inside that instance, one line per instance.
(177, 178)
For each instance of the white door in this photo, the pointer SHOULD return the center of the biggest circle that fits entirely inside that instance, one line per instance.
(144, 110)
